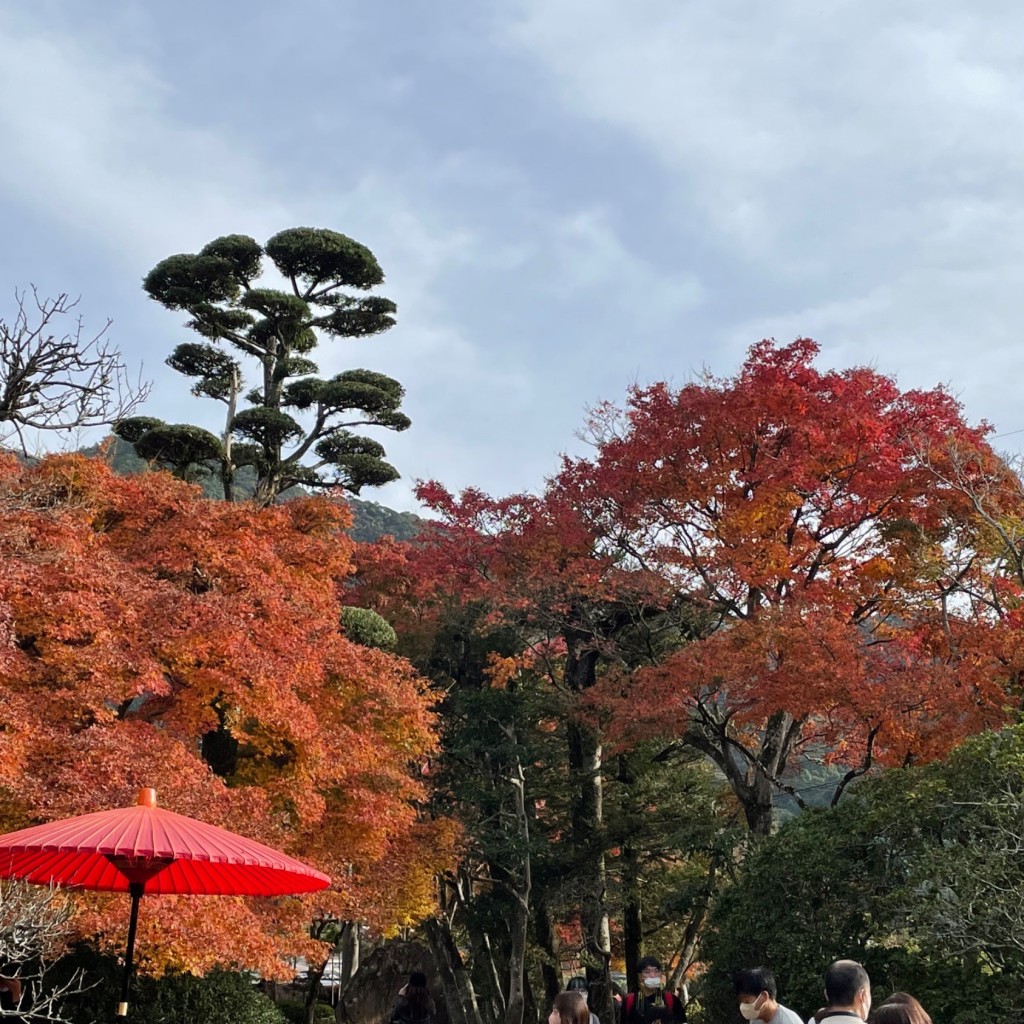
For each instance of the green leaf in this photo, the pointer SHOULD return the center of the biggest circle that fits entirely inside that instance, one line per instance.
(240, 252)
(267, 427)
(134, 427)
(179, 445)
(185, 281)
(317, 255)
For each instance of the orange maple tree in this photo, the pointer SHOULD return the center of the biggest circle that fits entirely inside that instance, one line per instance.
(151, 637)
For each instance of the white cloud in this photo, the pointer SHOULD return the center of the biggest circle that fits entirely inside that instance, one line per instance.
(97, 151)
(590, 257)
(798, 118)
(856, 164)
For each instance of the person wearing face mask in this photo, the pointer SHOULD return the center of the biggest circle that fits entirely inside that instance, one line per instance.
(651, 1003)
(758, 994)
(579, 984)
(848, 991)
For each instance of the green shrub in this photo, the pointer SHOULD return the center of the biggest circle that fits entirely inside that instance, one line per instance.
(220, 997)
(904, 876)
(295, 1013)
(366, 627)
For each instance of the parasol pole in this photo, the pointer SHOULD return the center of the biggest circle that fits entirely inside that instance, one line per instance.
(136, 889)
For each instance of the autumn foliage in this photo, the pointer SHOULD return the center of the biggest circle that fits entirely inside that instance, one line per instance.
(803, 511)
(761, 566)
(150, 637)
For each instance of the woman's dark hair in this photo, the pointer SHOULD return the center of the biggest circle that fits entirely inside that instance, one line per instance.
(577, 984)
(899, 1013)
(649, 961)
(572, 1008)
(917, 1013)
(417, 996)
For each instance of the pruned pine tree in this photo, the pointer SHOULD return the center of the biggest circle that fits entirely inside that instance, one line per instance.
(293, 426)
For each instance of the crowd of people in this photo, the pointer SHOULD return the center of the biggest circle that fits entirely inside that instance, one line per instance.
(847, 994)
(847, 990)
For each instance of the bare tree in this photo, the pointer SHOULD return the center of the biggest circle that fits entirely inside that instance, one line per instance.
(34, 929)
(61, 382)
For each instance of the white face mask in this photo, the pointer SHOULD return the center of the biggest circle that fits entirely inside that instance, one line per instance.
(749, 1011)
(652, 982)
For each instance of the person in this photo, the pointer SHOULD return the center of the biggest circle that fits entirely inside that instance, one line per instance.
(651, 1002)
(581, 985)
(758, 996)
(414, 1005)
(569, 1008)
(910, 1010)
(848, 991)
(895, 1013)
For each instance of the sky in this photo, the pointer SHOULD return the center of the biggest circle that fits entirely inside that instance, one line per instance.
(567, 196)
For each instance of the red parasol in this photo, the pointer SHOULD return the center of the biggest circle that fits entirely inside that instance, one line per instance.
(146, 849)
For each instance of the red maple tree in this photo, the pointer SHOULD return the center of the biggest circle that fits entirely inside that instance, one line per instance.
(800, 511)
(757, 566)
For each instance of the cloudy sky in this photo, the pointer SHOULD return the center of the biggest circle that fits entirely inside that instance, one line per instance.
(566, 195)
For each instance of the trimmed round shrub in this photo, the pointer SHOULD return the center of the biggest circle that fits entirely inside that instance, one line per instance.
(368, 629)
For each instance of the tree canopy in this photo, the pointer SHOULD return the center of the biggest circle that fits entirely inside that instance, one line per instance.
(295, 428)
(800, 513)
(151, 637)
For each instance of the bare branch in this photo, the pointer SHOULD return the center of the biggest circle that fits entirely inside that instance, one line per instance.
(51, 381)
(34, 929)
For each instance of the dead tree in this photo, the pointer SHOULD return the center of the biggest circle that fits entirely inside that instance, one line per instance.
(59, 380)
(34, 929)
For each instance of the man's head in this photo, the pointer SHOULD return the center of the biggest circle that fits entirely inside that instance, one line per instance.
(848, 987)
(757, 993)
(649, 970)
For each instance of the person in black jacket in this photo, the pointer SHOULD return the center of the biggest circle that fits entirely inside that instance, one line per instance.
(650, 1003)
(414, 1004)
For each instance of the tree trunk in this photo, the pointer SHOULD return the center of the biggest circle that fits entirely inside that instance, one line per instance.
(350, 950)
(458, 986)
(531, 1002)
(520, 923)
(632, 914)
(755, 776)
(314, 975)
(496, 1004)
(227, 470)
(313, 979)
(692, 931)
(547, 938)
(585, 754)
(490, 998)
